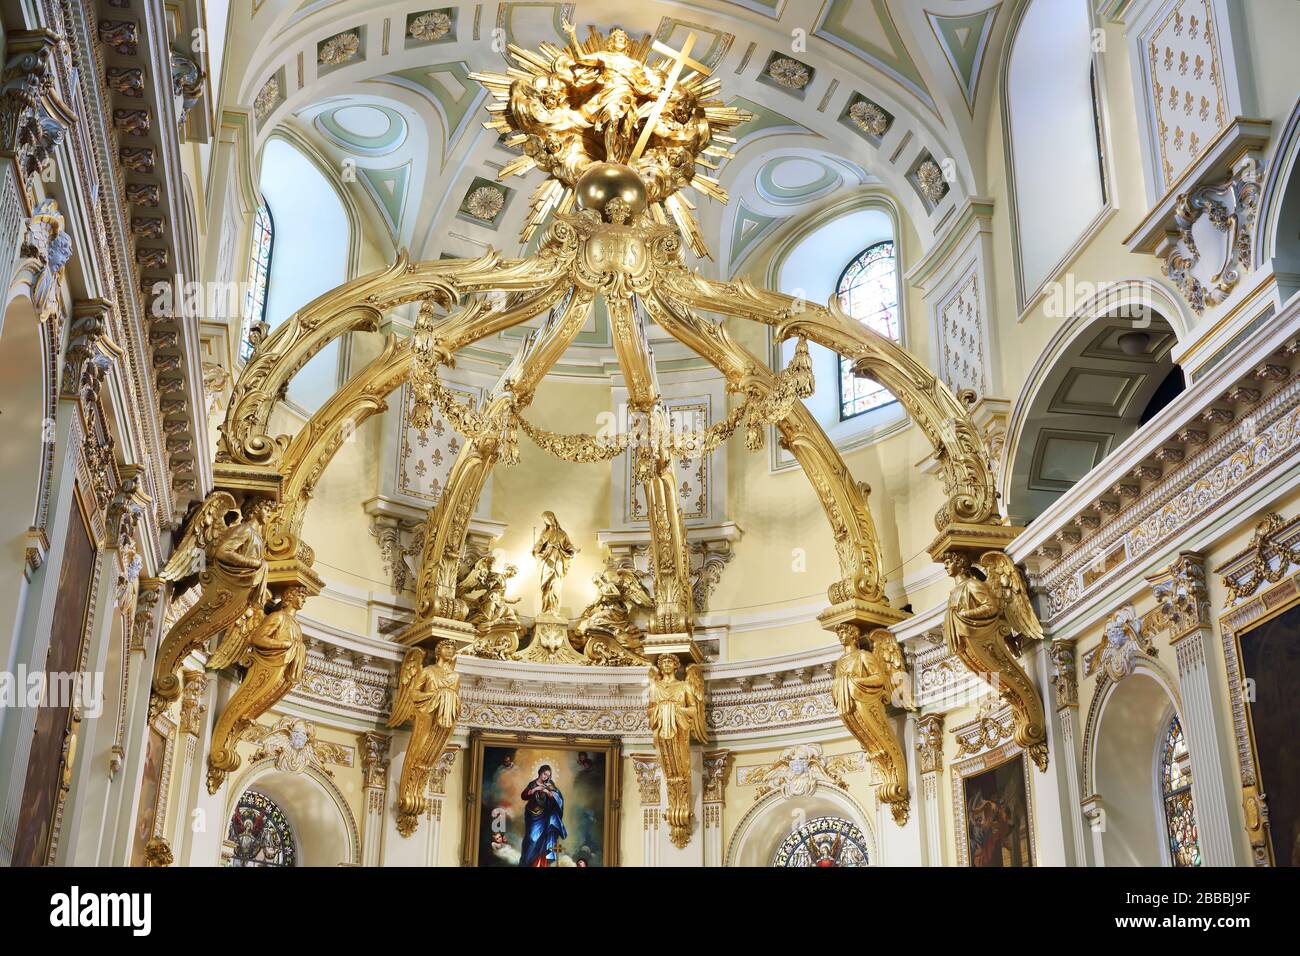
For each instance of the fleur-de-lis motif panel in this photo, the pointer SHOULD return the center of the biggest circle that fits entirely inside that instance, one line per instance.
(1186, 85)
(425, 455)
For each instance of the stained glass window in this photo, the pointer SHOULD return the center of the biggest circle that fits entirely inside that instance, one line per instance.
(1176, 791)
(868, 291)
(259, 267)
(824, 842)
(260, 833)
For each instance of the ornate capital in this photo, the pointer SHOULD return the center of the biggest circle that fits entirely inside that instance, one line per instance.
(648, 777)
(1182, 601)
(929, 742)
(1065, 675)
(438, 776)
(374, 758)
(193, 684)
(715, 775)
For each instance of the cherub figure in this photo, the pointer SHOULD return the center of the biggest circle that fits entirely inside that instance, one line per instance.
(988, 616)
(676, 713)
(618, 591)
(491, 607)
(429, 697)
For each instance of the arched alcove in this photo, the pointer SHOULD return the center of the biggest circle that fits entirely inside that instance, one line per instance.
(22, 445)
(1102, 376)
(1130, 724)
(316, 810)
(771, 820)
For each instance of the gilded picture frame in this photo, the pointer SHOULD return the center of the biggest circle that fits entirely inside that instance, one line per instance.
(990, 760)
(1256, 607)
(500, 762)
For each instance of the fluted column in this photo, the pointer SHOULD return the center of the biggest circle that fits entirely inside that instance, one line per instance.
(1065, 680)
(929, 752)
(194, 712)
(715, 781)
(1055, 836)
(649, 781)
(1183, 606)
(374, 767)
(437, 793)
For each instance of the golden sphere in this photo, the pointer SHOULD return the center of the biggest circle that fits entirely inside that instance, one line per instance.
(602, 182)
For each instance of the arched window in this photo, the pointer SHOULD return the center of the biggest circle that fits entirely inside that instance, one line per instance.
(824, 842)
(1176, 797)
(260, 833)
(312, 251)
(868, 292)
(259, 270)
(1054, 137)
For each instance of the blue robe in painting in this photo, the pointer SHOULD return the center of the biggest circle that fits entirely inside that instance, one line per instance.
(543, 824)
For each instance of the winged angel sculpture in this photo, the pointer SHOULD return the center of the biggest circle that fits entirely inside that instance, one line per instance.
(429, 697)
(274, 653)
(226, 548)
(676, 712)
(988, 618)
(618, 591)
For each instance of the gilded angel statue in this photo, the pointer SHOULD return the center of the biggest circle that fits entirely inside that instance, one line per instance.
(429, 697)
(676, 712)
(863, 685)
(226, 547)
(491, 607)
(618, 591)
(988, 617)
(275, 655)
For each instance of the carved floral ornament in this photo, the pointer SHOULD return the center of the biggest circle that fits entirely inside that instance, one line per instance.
(620, 234)
(1124, 639)
(33, 116)
(1213, 244)
(800, 770)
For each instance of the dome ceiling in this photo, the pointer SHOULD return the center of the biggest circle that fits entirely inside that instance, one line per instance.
(861, 92)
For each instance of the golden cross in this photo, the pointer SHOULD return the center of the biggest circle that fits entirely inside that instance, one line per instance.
(679, 59)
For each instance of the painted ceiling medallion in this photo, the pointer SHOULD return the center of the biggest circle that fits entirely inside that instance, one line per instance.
(869, 118)
(485, 203)
(340, 48)
(789, 73)
(430, 26)
(266, 98)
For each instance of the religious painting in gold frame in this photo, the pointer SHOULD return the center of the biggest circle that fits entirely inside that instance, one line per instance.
(537, 801)
(993, 809)
(155, 785)
(1262, 654)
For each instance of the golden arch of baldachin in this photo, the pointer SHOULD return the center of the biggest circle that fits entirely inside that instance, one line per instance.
(619, 137)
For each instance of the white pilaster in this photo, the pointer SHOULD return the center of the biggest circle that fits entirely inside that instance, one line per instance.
(1215, 816)
(929, 746)
(1047, 787)
(374, 765)
(714, 798)
(1066, 756)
